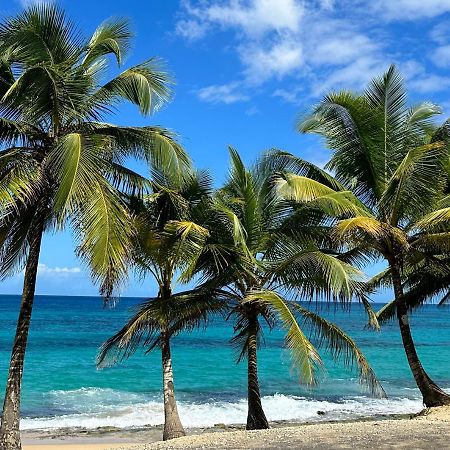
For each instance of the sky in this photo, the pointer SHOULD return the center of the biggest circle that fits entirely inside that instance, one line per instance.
(245, 70)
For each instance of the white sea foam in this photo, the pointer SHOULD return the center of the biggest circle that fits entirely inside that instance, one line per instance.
(104, 407)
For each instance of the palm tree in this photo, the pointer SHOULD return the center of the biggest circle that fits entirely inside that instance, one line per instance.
(60, 164)
(168, 243)
(396, 164)
(261, 256)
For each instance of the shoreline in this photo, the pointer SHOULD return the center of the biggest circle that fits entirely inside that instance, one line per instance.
(429, 429)
(112, 438)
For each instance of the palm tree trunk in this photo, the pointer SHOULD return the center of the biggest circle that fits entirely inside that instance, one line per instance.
(256, 419)
(432, 394)
(9, 430)
(172, 423)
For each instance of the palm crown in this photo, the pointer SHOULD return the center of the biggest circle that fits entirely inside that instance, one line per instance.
(395, 164)
(60, 162)
(263, 247)
(167, 245)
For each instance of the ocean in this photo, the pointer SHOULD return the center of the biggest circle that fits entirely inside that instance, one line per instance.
(63, 388)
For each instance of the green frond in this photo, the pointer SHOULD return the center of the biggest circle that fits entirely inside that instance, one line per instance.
(277, 161)
(40, 34)
(371, 314)
(146, 85)
(20, 180)
(318, 195)
(192, 309)
(187, 242)
(143, 327)
(304, 356)
(155, 145)
(104, 229)
(420, 116)
(16, 133)
(75, 162)
(232, 220)
(341, 118)
(128, 181)
(15, 229)
(312, 271)
(434, 218)
(387, 312)
(361, 225)
(111, 37)
(409, 192)
(438, 243)
(300, 188)
(184, 311)
(341, 346)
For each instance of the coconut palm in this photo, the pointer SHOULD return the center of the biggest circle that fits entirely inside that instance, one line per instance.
(261, 256)
(60, 164)
(167, 245)
(393, 160)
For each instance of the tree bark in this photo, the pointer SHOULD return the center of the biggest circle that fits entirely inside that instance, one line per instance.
(256, 419)
(172, 423)
(9, 429)
(432, 394)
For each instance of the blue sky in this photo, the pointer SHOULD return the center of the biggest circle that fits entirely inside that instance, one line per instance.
(245, 69)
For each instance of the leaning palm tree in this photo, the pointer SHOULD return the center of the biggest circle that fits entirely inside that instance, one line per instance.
(166, 248)
(396, 164)
(261, 256)
(60, 164)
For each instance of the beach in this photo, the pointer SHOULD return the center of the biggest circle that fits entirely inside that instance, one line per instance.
(430, 430)
(64, 390)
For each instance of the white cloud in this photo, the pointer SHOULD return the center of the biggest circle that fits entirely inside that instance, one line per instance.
(322, 44)
(278, 59)
(354, 75)
(289, 96)
(410, 9)
(254, 17)
(43, 269)
(274, 40)
(225, 93)
(439, 32)
(441, 56)
(342, 48)
(429, 83)
(190, 29)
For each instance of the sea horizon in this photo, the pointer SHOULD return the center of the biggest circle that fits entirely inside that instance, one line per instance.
(62, 387)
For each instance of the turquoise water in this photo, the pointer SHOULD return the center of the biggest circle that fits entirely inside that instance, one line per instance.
(63, 388)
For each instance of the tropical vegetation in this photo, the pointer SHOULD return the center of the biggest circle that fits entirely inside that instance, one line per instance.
(60, 164)
(276, 233)
(263, 254)
(166, 248)
(396, 162)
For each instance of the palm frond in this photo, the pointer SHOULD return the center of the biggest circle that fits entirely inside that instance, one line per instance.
(341, 346)
(104, 230)
(304, 356)
(111, 37)
(146, 85)
(409, 191)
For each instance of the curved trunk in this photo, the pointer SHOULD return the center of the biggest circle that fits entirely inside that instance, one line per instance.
(432, 394)
(256, 419)
(9, 430)
(172, 423)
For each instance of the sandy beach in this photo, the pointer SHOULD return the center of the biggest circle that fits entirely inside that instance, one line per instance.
(429, 430)
(102, 446)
